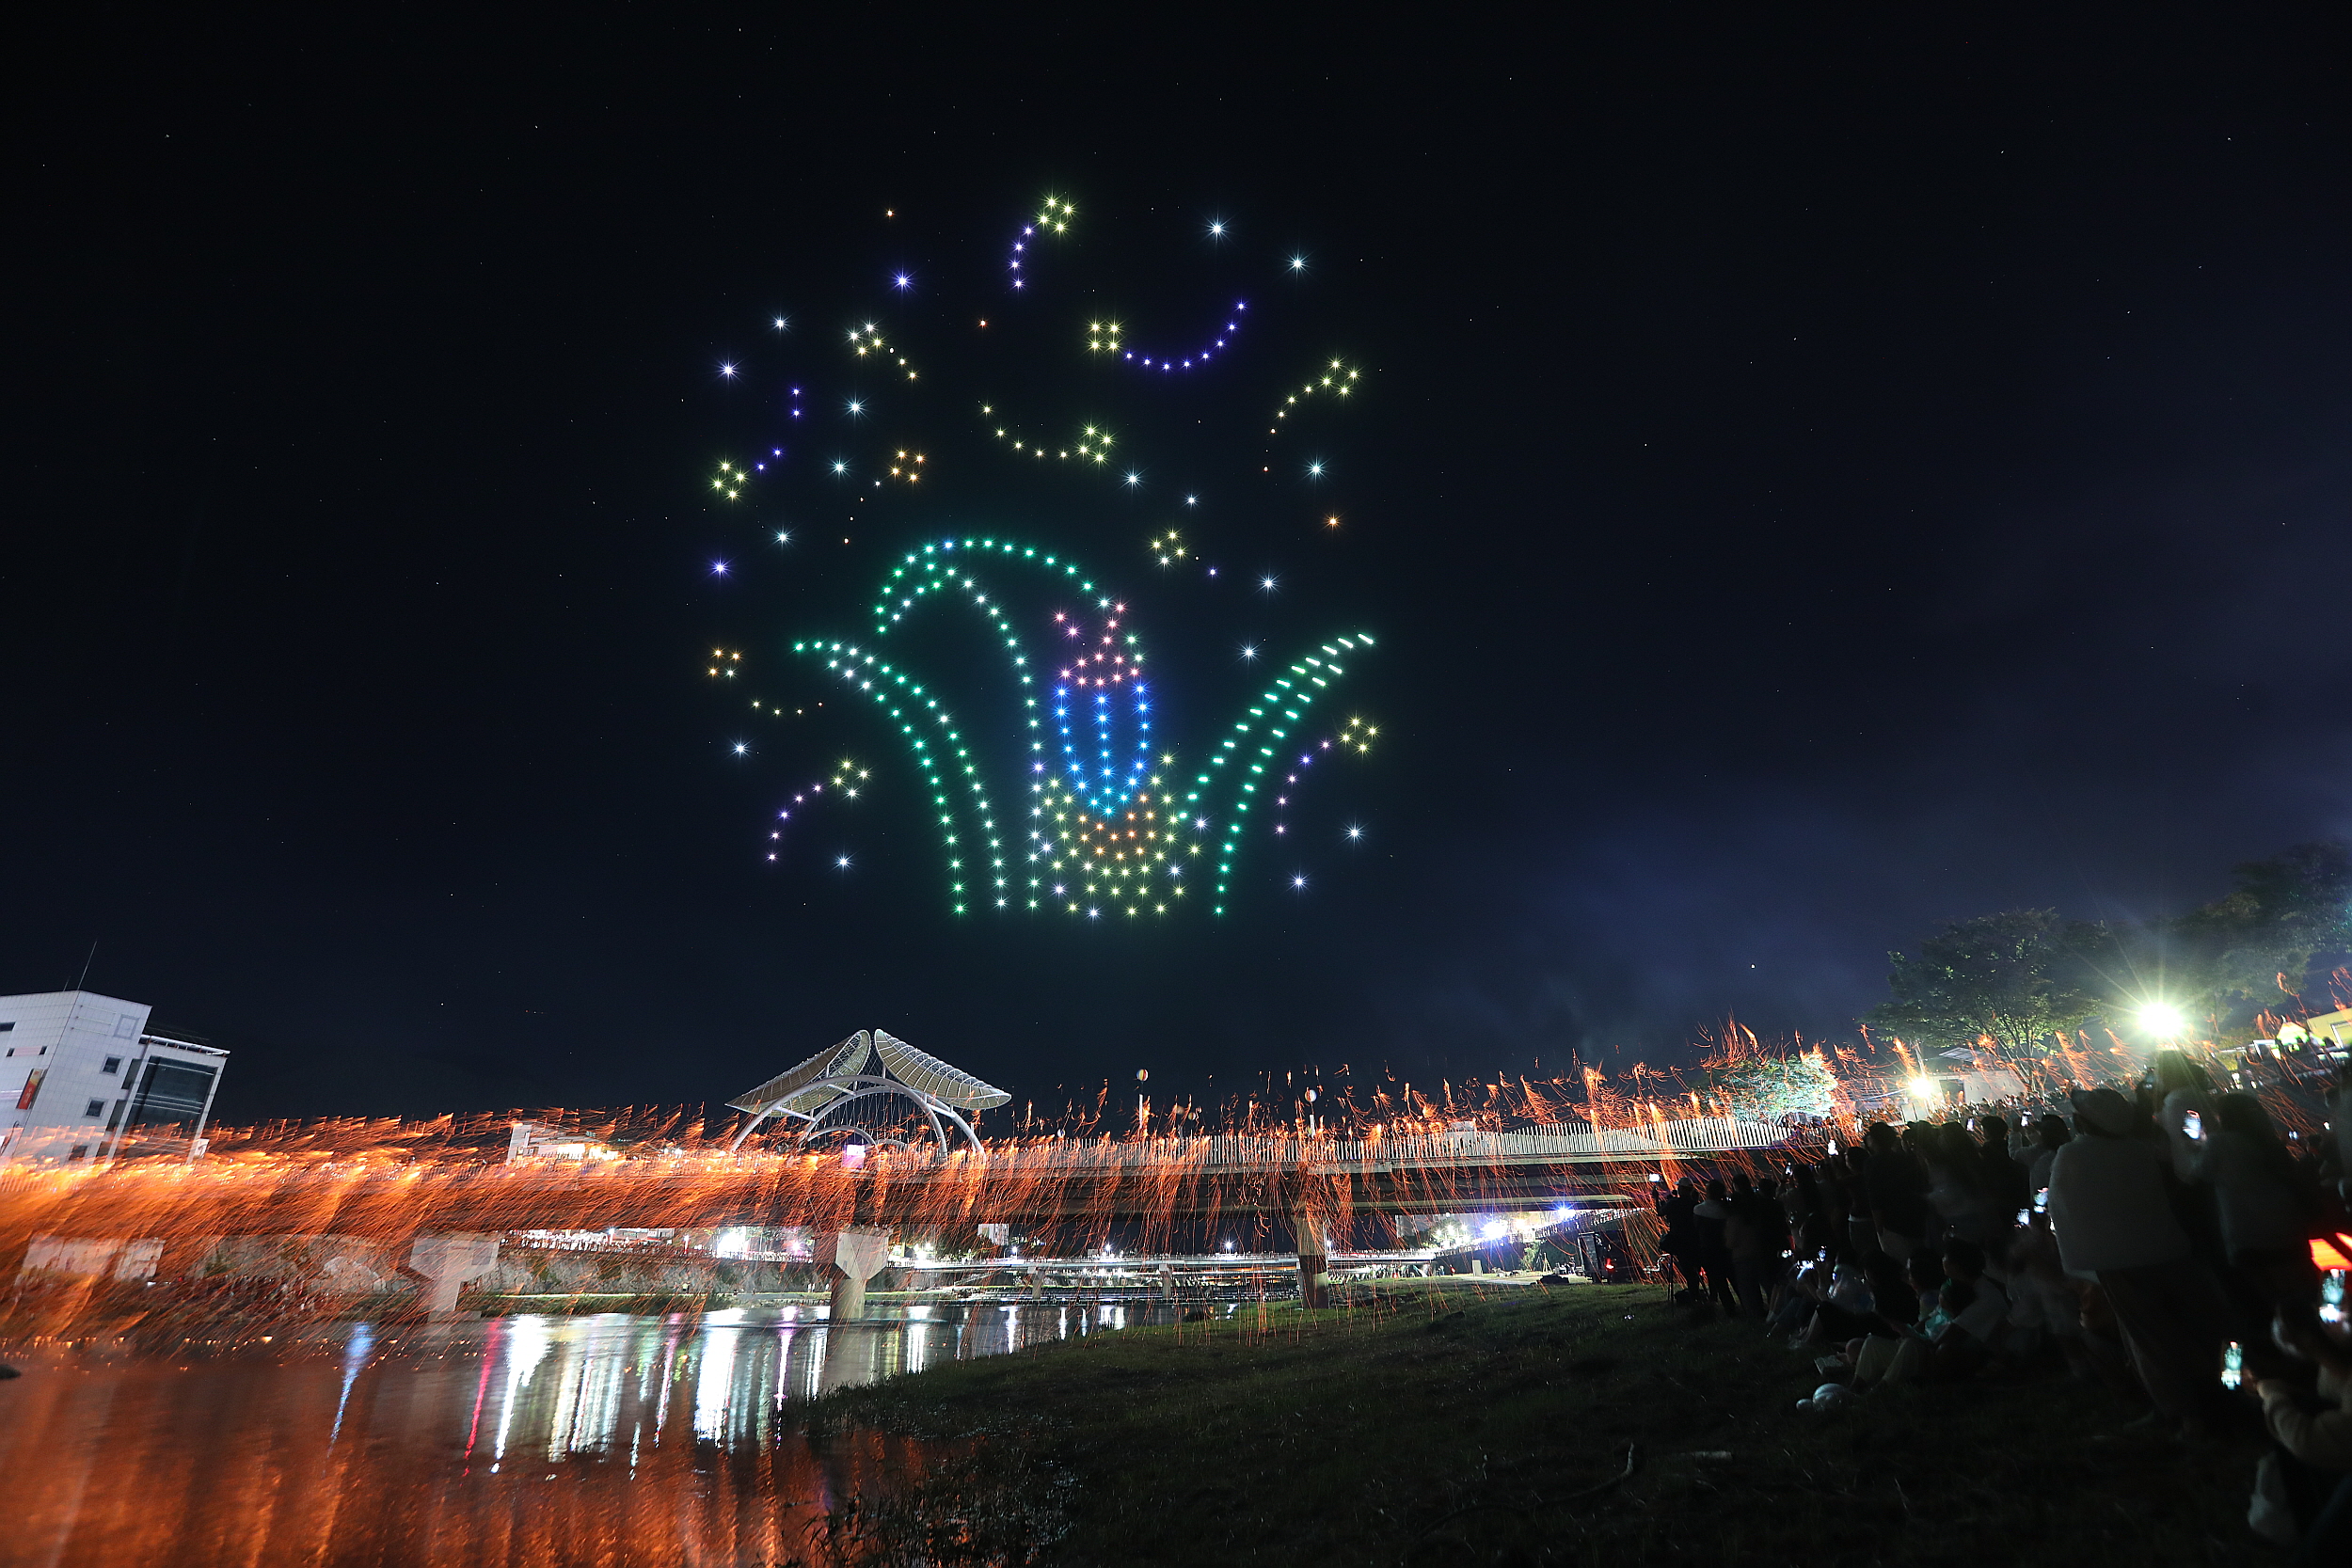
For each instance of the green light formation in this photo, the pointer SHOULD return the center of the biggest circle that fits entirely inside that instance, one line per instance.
(863, 670)
(1114, 858)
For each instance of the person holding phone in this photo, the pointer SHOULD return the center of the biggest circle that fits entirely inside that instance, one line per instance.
(2266, 1211)
(2316, 1433)
(2114, 1221)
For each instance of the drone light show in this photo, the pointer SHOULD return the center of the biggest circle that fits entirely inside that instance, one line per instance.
(1068, 744)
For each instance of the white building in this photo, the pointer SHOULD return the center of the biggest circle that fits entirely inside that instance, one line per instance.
(82, 1079)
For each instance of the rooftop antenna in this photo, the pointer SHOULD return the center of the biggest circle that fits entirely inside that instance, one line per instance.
(87, 962)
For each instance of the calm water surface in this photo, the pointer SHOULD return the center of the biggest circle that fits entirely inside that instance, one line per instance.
(614, 1439)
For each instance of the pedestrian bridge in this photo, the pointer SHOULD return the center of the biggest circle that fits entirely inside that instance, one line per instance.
(1306, 1185)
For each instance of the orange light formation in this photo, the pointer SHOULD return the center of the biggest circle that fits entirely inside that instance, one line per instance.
(1332, 1149)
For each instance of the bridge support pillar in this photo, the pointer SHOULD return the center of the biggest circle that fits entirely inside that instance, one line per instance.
(444, 1262)
(855, 1255)
(1315, 1261)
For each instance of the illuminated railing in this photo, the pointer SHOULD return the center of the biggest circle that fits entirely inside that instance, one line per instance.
(1577, 1141)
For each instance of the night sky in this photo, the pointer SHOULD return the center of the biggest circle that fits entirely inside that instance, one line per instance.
(1808, 484)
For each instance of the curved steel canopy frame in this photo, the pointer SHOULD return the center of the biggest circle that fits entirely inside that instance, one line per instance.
(866, 1086)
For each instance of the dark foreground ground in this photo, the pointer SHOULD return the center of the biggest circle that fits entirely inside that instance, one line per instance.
(1466, 1426)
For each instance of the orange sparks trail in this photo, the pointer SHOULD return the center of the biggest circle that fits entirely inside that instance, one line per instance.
(1302, 1158)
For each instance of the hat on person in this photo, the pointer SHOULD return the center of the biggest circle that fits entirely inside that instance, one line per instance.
(2106, 1110)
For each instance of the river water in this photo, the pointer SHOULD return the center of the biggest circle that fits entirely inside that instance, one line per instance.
(614, 1439)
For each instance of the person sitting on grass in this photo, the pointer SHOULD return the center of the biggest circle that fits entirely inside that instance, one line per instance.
(1978, 1313)
(2315, 1434)
(1869, 1298)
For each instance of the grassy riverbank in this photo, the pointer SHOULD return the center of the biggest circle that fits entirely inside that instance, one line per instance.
(1466, 1424)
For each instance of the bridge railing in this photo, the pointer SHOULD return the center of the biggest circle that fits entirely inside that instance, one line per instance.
(1573, 1141)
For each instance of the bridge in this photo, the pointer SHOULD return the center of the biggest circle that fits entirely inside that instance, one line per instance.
(1309, 1185)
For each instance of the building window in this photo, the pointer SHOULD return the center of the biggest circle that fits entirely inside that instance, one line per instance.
(9, 1025)
(81, 1151)
(113, 1063)
(95, 1108)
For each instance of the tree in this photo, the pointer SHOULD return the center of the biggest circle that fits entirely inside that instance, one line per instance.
(2007, 977)
(2260, 937)
(1761, 1086)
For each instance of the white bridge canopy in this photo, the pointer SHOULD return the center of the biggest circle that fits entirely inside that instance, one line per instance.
(834, 1078)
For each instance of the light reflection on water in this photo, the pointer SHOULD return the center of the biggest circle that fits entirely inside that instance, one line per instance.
(526, 1440)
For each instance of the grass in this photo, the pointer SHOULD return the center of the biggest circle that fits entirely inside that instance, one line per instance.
(1467, 1424)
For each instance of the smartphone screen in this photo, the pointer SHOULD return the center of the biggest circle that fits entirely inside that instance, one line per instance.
(1833, 1146)
(2233, 1365)
(2024, 1216)
(2194, 1125)
(2041, 1201)
(2331, 1296)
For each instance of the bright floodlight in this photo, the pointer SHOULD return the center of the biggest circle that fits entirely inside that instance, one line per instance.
(718, 568)
(1298, 263)
(2162, 1020)
(1923, 1087)
(741, 749)
(903, 281)
(1216, 230)
(842, 861)
(856, 407)
(726, 369)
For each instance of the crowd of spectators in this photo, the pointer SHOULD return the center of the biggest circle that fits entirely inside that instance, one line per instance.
(2157, 1238)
